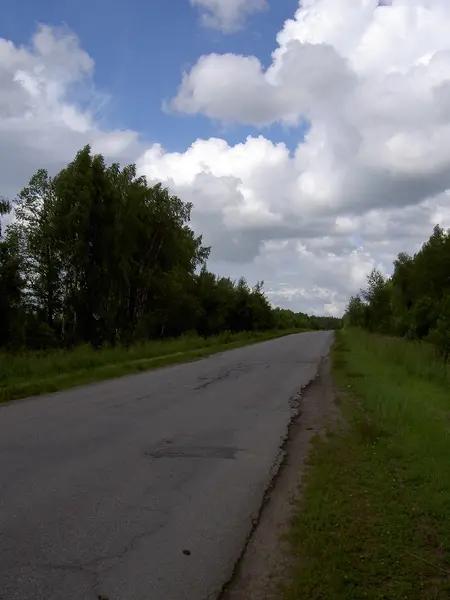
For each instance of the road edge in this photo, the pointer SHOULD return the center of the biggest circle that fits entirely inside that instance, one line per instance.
(264, 561)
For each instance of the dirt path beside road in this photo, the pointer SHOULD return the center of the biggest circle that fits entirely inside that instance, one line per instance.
(265, 564)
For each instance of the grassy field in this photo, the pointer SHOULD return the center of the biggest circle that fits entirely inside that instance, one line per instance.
(374, 518)
(35, 373)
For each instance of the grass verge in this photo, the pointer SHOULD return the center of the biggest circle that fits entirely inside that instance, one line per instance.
(34, 373)
(374, 518)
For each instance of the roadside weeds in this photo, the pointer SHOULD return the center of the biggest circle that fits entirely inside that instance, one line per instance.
(373, 521)
(35, 373)
(361, 507)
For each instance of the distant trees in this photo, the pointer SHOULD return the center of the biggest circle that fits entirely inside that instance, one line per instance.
(324, 323)
(415, 301)
(95, 255)
(286, 319)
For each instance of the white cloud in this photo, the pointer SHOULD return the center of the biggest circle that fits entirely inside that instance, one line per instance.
(48, 105)
(247, 204)
(374, 83)
(372, 175)
(233, 88)
(369, 180)
(227, 15)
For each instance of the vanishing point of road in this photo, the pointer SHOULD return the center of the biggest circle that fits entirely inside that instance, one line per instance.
(146, 487)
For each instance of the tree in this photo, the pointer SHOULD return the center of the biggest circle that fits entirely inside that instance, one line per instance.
(356, 313)
(38, 248)
(11, 287)
(440, 334)
(96, 255)
(377, 297)
(414, 302)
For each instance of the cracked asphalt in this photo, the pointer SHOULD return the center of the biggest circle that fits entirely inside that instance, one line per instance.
(146, 487)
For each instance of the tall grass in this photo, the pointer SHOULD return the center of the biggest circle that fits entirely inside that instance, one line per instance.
(374, 518)
(418, 358)
(48, 371)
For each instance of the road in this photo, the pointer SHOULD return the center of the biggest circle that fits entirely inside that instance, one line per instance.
(145, 487)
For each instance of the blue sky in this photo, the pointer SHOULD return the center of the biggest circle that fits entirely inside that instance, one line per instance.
(369, 180)
(140, 50)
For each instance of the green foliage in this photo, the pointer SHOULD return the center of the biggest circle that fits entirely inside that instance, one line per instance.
(439, 336)
(97, 256)
(42, 371)
(374, 503)
(413, 303)
(11, 287)
(286, 319)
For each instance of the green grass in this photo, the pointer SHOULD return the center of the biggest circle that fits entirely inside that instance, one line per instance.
(374, 518)
(34, 373)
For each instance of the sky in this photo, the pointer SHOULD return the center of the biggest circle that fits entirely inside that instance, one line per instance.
(312, 137)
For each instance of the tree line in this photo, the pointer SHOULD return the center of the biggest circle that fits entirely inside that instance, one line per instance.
(415, 301)
(94, 255)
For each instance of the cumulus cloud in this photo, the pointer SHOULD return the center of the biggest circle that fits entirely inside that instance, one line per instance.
(246, 203)
(369, 179)
(233, 88)
(48, 105)
(227, 15)
(372, 79)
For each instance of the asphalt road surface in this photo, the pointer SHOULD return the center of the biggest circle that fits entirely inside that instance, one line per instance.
(145, 487)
